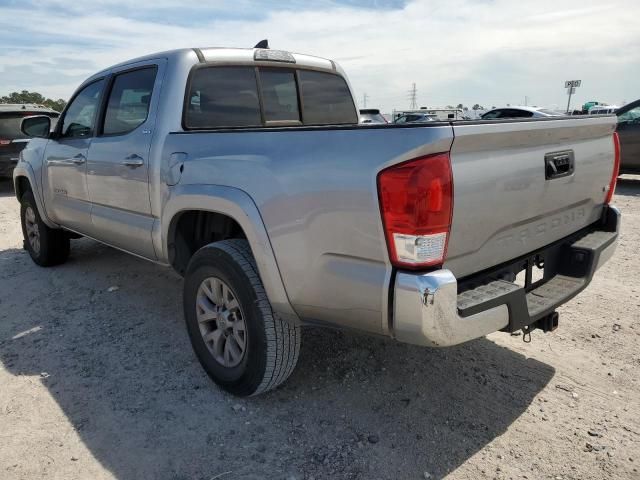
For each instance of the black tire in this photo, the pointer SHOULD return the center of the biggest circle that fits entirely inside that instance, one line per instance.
(53, 246)
(272, 344)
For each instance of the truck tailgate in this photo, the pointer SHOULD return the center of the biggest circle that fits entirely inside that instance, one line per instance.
(506, 201)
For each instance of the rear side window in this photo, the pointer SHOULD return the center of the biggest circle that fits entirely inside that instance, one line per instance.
(279, 95)
(492, 114)
(129, 101)
(326, 99)
(219, 97)
(223, 97)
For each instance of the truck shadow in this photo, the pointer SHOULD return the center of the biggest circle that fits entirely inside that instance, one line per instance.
(6, 187)
(104, 334)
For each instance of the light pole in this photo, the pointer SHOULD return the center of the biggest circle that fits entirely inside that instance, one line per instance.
(571, 86)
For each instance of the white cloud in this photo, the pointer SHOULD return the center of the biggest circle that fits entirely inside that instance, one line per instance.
(490, 52)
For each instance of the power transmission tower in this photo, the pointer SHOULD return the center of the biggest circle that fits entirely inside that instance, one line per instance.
(413, 97)
(365, 97)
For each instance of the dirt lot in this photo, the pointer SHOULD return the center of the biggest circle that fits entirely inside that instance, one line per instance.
(103, 384)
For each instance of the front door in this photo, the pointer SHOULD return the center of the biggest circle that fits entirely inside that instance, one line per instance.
(118, 162)
(66, 196)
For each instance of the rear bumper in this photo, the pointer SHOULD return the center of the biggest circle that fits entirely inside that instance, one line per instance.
(437, 310)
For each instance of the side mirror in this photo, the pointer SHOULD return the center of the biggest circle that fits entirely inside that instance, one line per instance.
(36, 126)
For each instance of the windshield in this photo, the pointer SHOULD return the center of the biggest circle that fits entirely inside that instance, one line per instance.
(10, 124)
(372, 118)
(10, 127)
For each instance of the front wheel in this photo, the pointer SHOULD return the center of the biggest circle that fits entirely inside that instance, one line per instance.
(46, 246)
(240, 341)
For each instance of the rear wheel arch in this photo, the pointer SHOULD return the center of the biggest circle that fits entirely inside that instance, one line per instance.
(244, 221)
(190, 230)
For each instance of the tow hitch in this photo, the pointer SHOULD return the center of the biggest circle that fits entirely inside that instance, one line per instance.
(546, 324)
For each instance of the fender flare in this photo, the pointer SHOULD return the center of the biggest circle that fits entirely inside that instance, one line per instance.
(24, 170)
(237, 204)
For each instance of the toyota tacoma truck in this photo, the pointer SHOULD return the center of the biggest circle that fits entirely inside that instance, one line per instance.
(247, 172)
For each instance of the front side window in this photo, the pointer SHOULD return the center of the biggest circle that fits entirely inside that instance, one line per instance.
(326, 99)
(279, 95)
(223, 97)
(80, 118)
(129, 101)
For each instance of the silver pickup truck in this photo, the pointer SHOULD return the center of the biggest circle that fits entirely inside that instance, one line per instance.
(247, 172)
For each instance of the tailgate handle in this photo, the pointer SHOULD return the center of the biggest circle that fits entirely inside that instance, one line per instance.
(558, 164)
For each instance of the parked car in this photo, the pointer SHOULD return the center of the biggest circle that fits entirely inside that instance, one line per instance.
(437, 114)
(371, 115)
(416, 118)
(603, 109)
(629, 132)
(242, 170)
(12, 140)
(520, 112)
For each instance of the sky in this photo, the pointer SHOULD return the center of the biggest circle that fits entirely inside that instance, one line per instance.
(490, 52)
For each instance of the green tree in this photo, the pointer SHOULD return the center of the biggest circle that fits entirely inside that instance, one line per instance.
(26, 96)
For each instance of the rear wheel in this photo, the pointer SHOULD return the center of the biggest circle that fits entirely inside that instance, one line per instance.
(240, 341)
(46, 246)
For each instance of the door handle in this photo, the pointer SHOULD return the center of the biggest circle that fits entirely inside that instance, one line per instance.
(79, 159)
(133, 160)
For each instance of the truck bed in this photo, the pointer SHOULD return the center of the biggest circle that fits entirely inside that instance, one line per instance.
(315, 188)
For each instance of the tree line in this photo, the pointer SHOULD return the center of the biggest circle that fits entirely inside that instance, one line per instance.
(26, 96)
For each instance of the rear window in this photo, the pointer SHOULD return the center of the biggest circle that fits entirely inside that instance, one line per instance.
(279, 95)
(10, 123)
(219, 97)
(223, 97)
(326, 99)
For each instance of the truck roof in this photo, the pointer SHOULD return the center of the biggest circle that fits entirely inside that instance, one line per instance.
(235, 55)
(19, 107)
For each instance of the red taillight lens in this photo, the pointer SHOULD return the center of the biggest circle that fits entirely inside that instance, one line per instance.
(4, 142)
(416, 202)
(616, 168)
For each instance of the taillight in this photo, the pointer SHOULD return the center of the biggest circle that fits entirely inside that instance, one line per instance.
(616, 168)
(4, 142)
(416, 202)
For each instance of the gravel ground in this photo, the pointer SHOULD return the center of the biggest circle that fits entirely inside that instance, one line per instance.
(98, 382)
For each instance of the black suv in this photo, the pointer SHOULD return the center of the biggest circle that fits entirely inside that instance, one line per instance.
(12, 140)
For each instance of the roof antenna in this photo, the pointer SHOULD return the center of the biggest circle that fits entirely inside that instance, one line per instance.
(262, 44)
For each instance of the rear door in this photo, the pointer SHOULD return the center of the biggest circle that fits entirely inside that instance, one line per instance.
(67, 199)
(118, 163)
